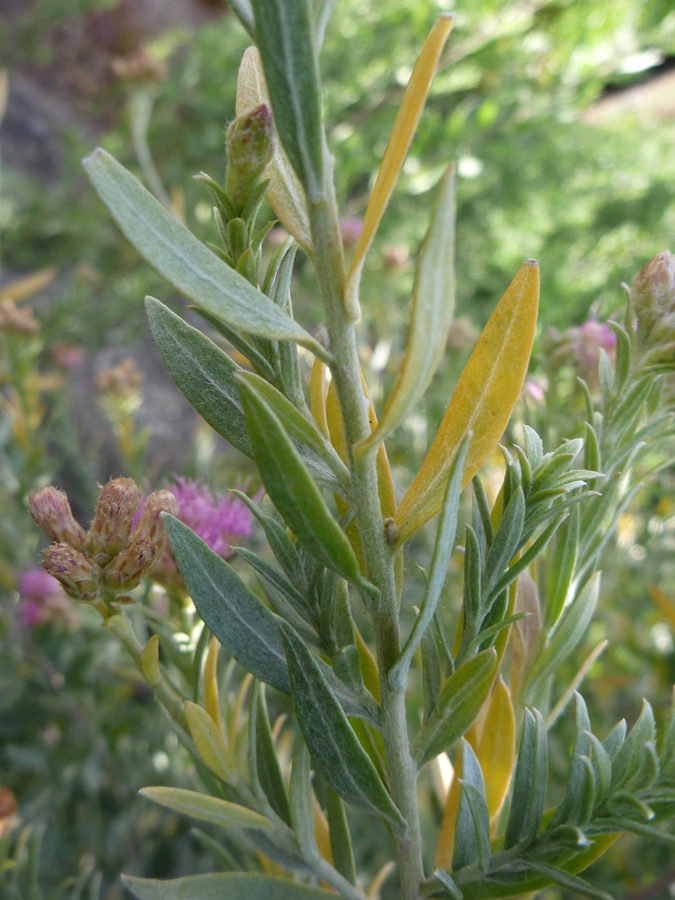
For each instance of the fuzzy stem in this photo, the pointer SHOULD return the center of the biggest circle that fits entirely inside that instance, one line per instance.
(368, 516)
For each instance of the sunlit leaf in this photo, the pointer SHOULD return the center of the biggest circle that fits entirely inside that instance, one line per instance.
(206, 808)
(224, 886)
(482, 402)
(496, 749)
(401, 137)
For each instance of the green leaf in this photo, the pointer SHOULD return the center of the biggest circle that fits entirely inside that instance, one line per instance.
(206, 808)
(184, 261)
(445, 542)
(242, 624)
(505, 543)
(292, 489)
(331, 740)
(285, 37)
(224, 886)
(271, 574)
(340, 838)
(566, 880)
(433, 306)
(529, 785)
(448, 883)
(472, 831)
(202, 372)
(267, 761)
(564, 562)
(459, 703)
(301, 801)
(569, 632)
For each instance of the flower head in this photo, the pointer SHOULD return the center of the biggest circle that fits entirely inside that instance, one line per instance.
(653, 298)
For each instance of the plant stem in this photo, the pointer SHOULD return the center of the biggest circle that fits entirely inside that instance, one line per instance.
(368, 516)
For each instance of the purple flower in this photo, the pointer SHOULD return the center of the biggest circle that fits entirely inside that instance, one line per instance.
(42, 600)
(218, 520)
(37, 585)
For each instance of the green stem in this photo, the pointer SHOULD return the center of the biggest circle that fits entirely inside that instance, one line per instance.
(346, 374)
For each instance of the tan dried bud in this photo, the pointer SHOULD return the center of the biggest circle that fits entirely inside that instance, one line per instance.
(78, 574)
(51, 511)
(121, 381)
(653, 298)
(131, 566)
(150, 523)
(118, 503)
(17, 319)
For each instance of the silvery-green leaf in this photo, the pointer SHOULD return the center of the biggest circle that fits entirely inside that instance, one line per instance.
(271, 574)
(184, 261)
(224, 886)
(505, 543)
(204, 374)
(529, 786)
(206, 808)
(433, 306)
(301, 801)
(627, 761)
(570, 631)
(472, 830)
(614, 740)
(242, 624)
(286, 40)
(445, 541)
(340, 838)
(292, 489)
(564, 561)
(527, 558)
(267, 761)
(458, 704)
(566, 880)
(244, 12)
(448, 883)
(431, 673)
(335, 749)
(322, 11)
(577, 776)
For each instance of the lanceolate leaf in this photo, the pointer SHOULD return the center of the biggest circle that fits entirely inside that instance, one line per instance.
(284, 194)
(567, 880)
(285, 36)
(242, 624)
(497, 748)
(445, 541)
(292, 489)
(184, 261)
(482, 403)
(529, 787)
(206, 808)
(224, 886)
(397, 148)
(432, 310)
(459, 703)
(472, 832)
(330, 738)
(204, 374)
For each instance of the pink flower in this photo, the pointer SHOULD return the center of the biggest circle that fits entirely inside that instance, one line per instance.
(36, 585)
(218, 520)
(587, 340)
(42, 600)
(350, 229)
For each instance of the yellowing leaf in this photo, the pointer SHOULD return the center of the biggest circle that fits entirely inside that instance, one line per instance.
(482, 402)
(397, 149)
(446, 838)
(209, 741)
(211, 701)
(369, 670)
(285, 194)
(663, 603)
(150, 661)
(22, 288)
(432, 310)
(497, 748)
(317, 395)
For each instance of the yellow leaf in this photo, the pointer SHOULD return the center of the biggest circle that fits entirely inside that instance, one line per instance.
(209, 741)
(396, 152)
(369, 670)
(663, 603)
(317, 395)
(446, 839)
(497, 749)
(482, 402)
(373, 892)
(322, 833)
(432, 309)
(25, 287)
(150, 661)
(4, 91)
(211, 700)
(285, 194)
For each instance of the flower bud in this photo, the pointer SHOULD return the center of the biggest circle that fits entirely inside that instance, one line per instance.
(249, 143)
(129, 567)
(51, 511)
(118, 503)
(653, 298)
(150, 523)
(78, 574)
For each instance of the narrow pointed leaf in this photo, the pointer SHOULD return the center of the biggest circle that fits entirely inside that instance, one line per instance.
(433, 306)
(301, 801)
(202, 372)
(497, 748)
(267, 761)
(285, 36)
(331, 740)
(482, 402)
(284, 193)
(529, 786)
(184, 261)
(445, 541)
(206, 808)
(567, 880)
(292, 489)
(397, 149)
(224, 886)
(459, 703)
(210, 742)
(242, 624)
(340, 838)
(472, 831)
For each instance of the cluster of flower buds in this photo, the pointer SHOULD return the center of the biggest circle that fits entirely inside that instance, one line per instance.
(117, 553)
(652, 296)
